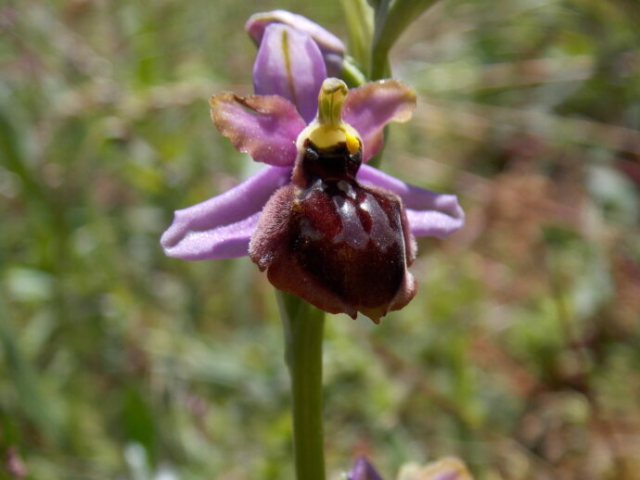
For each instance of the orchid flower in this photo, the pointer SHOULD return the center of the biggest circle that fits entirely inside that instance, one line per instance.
(325, 226)
(363, 470)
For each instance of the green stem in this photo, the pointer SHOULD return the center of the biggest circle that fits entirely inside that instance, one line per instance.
(352, 76)
(379, 67)
(303, 329)
(391, 20)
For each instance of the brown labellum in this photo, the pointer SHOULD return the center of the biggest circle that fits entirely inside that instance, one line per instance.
(341, 246)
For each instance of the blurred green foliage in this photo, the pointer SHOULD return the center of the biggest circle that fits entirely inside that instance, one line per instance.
(521, 352)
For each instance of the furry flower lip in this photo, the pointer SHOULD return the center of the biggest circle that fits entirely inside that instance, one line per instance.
(279, 126)
(342, 247)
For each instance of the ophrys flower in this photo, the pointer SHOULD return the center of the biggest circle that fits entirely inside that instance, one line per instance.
(335, 232)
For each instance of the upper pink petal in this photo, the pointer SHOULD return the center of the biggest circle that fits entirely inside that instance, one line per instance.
(221, 227)
(265, 127)
(370, 107)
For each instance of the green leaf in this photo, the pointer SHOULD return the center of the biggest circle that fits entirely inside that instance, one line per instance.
(359, 21)
(391, 22)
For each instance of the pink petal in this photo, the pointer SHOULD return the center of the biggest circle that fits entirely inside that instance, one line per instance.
(429, 213)
(289, 64)
(221, 227)
(265, 127)
(370, 107)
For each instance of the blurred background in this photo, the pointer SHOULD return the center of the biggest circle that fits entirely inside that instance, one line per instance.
(521, 352)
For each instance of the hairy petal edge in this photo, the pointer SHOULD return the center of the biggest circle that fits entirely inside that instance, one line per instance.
(370, 107)
(264, 126)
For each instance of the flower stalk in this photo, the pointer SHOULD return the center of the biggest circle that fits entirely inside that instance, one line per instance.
(303, 331)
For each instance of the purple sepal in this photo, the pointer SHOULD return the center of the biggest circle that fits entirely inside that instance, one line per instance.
(429, 213)
(363, 470)
(221, 227)
(289, 64)
(332, 47)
